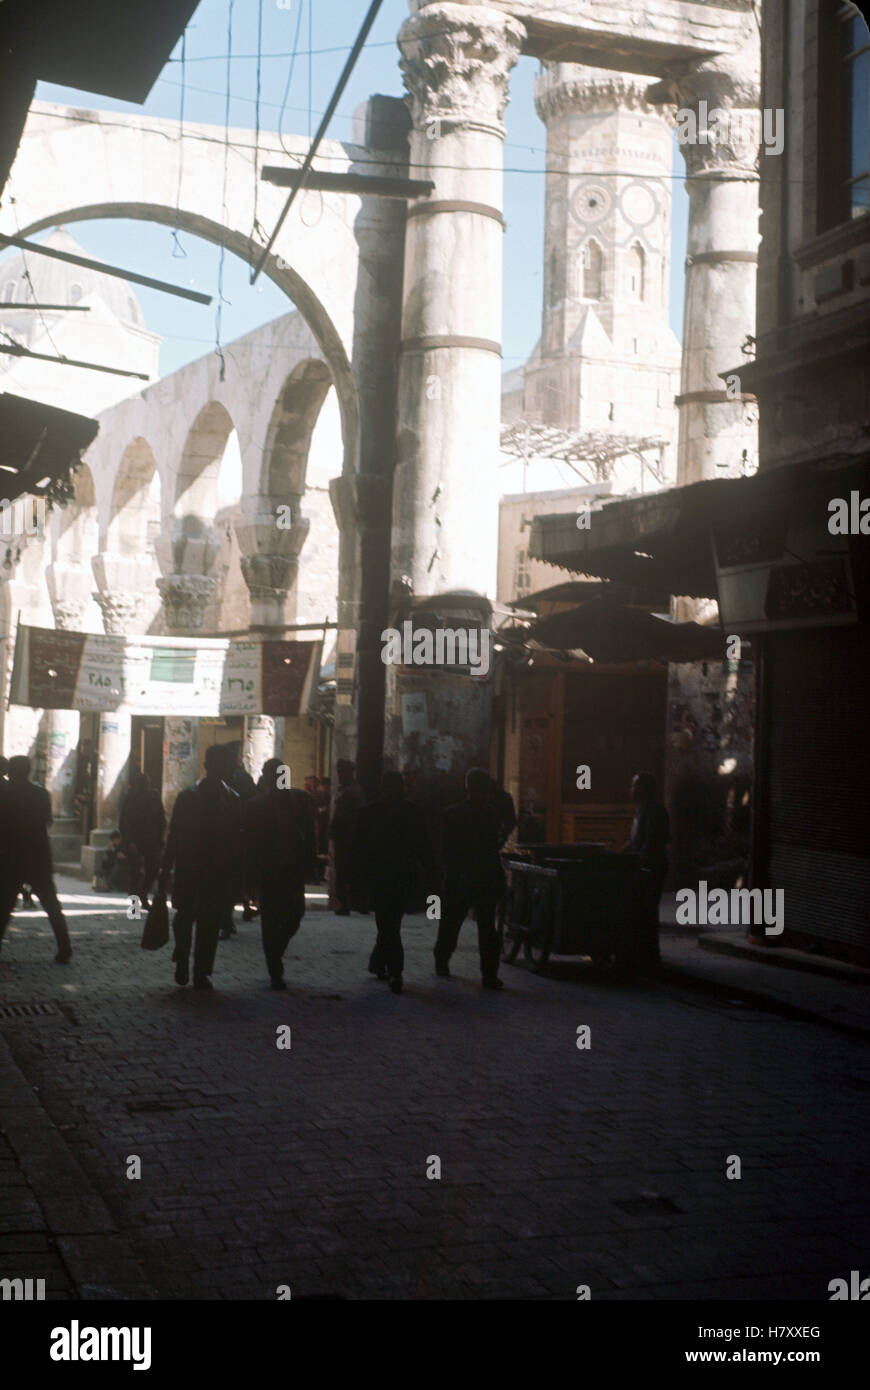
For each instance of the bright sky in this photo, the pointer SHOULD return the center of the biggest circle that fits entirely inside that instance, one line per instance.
(325, 34)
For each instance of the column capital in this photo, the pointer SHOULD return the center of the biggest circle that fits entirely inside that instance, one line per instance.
(185, 599)
(120, 612)
(716, 106)
(456, 61)
(569, 87)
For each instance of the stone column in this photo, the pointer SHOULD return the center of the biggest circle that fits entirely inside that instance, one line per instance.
(718, 112)
(69, 587)
(456, 62)
(721, 155)
(121, 581)
(270, 564)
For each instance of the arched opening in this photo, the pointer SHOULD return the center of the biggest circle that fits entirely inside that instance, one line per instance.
(135, 520)
(197, 489)
(592, 270)
(290, 429)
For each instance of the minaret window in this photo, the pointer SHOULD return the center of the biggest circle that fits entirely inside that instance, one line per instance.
(552, 290)
(75, 293)
(9, 292)
(592, 266)
(636, 272)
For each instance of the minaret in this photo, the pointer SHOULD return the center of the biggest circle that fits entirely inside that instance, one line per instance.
(607, 359)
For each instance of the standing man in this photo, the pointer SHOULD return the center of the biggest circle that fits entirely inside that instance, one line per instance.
(473, 876)
(25, 851)
(204, 847)
(243, 784)
(650, 835)
(392, 848)
(280, 855)
(348, 804)
(142, 825)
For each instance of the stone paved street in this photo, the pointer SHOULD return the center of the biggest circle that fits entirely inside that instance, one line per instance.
(307, 1167)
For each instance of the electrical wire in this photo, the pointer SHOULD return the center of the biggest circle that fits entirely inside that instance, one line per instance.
(221, 300)
(256, 228)
(177, 249)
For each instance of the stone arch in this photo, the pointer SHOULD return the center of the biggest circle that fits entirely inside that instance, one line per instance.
(592, 270)
(134, 522)
(78, 525)
(636, 269)
(198, 476)
(111, 165)
(285, 452)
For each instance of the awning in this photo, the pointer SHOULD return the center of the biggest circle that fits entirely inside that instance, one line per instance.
(610, 631)
(39, 442)
(667, 540)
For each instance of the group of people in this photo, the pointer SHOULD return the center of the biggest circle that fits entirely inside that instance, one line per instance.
(232, 841)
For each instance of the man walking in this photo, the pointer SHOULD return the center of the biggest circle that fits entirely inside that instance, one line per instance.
(392, 848)
(348, 804)
(280, 855)
(142, 825)
(204, 847)
(473, 876)
(650, 834)
(25, 851)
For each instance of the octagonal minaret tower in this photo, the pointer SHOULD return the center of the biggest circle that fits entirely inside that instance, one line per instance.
(607, 358)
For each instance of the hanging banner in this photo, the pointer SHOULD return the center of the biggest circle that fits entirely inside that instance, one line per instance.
(182, 676)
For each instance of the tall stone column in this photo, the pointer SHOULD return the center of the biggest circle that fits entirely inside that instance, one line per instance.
(708, 750)
(270, 565)
(721, 154)
(456, 61)
(120, 593)
(69, 587)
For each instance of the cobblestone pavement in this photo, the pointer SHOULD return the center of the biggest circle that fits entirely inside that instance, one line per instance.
(307, 1166)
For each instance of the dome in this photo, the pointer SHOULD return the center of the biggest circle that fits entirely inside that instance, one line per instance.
(57, 282)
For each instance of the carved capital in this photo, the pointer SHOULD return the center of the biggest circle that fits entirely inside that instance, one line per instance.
(69, 614)
(269, 577)
(185, 599)
(568, 87)
(120, 612)
(716, 108)
(456, 61)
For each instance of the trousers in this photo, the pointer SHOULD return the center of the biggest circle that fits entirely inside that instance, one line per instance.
(454, 910)
(388, 953)
(282, 907)
(207, 915)
(42, 884)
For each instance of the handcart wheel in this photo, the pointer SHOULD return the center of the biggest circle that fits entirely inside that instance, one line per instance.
(539, 941)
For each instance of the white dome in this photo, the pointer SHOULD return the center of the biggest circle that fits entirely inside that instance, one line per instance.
(57, 282)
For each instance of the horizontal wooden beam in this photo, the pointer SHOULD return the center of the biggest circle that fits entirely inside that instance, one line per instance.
(39, 250)
(54, 308)
(16, 350)
(361, 185)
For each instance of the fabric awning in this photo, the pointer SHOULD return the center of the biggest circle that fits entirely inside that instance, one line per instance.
(610, 631)
(664, 540)
(37, 442)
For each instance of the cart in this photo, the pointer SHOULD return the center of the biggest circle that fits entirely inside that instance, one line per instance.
(576, 900)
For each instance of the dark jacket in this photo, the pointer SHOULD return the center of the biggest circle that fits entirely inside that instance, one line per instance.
(279, 838)
(204, 845)
(472, 867)
(392, 850)
(143, 820)
(650, 833)
(25, 815)
(348, 804)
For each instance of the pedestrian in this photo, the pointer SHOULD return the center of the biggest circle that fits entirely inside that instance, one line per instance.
(392, 849)
(348, 804)
(117, 869)
(279, 854)
(204, 854)
(143, 824)
(25, 851)
(505, 811)
(650, 836)
(242, 783)
(323, 797)
(473, 876)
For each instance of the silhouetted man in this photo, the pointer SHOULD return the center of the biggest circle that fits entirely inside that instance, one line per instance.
(391, 849)
(25, 851)
(245, 787)
(142, 824)
(473, 876)
(650, 834)
(280, 855)
(348, 803)
(204, 847)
